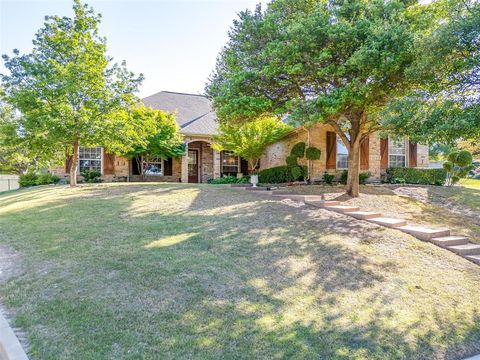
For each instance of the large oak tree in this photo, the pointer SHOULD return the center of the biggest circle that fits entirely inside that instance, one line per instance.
(70, 93)
(333, 62)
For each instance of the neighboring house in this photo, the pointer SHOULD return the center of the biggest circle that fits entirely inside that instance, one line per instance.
(197, 122)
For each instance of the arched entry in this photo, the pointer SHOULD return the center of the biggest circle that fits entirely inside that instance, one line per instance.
(200, 161)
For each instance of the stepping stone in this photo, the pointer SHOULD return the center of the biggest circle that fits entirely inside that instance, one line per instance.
(465, 249)
(424, 233)
(251, 188)
(474, 258)
(289, 196)
(343, 209)
(318, 198)
(444, 241)
(241, 185)
(364, 215)
(322, 203)
(388, 222)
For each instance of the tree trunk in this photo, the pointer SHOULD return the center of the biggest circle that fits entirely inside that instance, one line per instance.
(353, 186)
(74, 165)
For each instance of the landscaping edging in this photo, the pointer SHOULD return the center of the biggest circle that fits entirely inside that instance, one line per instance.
(10, 347)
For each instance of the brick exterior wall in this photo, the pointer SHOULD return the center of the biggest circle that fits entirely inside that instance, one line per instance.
(276, 154)
(422, 155)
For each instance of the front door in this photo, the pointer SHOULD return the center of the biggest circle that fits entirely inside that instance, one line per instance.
(193, 166)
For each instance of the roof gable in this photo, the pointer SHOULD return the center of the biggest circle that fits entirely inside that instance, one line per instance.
(194, 113)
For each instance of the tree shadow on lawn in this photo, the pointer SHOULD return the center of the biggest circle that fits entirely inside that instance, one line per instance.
(243, 277)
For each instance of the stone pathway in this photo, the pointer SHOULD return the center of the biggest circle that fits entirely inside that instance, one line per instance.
(460, 245)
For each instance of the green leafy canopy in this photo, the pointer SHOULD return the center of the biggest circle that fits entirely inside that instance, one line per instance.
(70, 93)
(249, 140)
(337, 63)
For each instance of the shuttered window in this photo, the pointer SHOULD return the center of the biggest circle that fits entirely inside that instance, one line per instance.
(90, 159)
(152, 166)
(342, 155)
(396, 153)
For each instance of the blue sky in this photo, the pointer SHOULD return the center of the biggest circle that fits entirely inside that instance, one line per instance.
(173, 43)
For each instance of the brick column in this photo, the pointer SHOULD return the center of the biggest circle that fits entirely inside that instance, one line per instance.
(184, 171)
(216, 164)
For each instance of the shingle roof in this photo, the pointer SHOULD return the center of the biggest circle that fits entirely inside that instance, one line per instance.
(194, 113)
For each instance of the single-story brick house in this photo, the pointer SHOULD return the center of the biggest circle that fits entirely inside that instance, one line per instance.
(197, 122)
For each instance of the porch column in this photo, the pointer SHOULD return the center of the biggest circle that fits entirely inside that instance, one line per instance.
(184, 177)
(216, 164)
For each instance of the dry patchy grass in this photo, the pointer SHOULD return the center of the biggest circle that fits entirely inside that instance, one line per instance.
(208, 272)
(457, 208)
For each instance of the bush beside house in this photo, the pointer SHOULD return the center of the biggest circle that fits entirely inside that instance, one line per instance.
(33, 179)
(402, 175)
(282, 174)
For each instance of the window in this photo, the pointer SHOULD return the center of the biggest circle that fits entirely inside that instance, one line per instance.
(90, 159)
(396, 153)
(152, 166)
(342, 155)
(230, 163)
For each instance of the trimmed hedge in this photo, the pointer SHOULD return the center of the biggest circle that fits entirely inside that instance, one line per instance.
(282, 174)
(399, 175)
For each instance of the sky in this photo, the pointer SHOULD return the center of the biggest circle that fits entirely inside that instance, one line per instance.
(173, 43)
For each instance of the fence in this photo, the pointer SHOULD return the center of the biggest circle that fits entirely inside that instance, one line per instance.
(9, 182)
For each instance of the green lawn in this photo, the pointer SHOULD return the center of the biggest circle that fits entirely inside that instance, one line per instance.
(132, 271)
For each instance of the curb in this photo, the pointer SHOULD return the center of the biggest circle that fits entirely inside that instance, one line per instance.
(10, 347)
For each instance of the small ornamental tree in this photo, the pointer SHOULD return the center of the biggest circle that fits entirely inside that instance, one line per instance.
(458, 165)
(336, 63)
(249, 140)
(70, 94)
(165, 140)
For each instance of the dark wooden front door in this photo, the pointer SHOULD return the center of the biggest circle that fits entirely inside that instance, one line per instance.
(193, 166)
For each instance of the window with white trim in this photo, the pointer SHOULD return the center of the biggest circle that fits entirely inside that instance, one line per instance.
(230, 162)
(342, 155)
(152, 166)
(397, 153)
(90, 159)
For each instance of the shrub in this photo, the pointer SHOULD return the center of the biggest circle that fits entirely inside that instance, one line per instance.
(28, 179)
(280, 174)
(292, 160)
(460, 158)
(312, 153)
(298, 150)
(459, 164)
(362, 177)
(296, 173)
(91, 176)
(398, 175)
(243, 180)
(46, 179)
(328, 178)
(230, 179)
